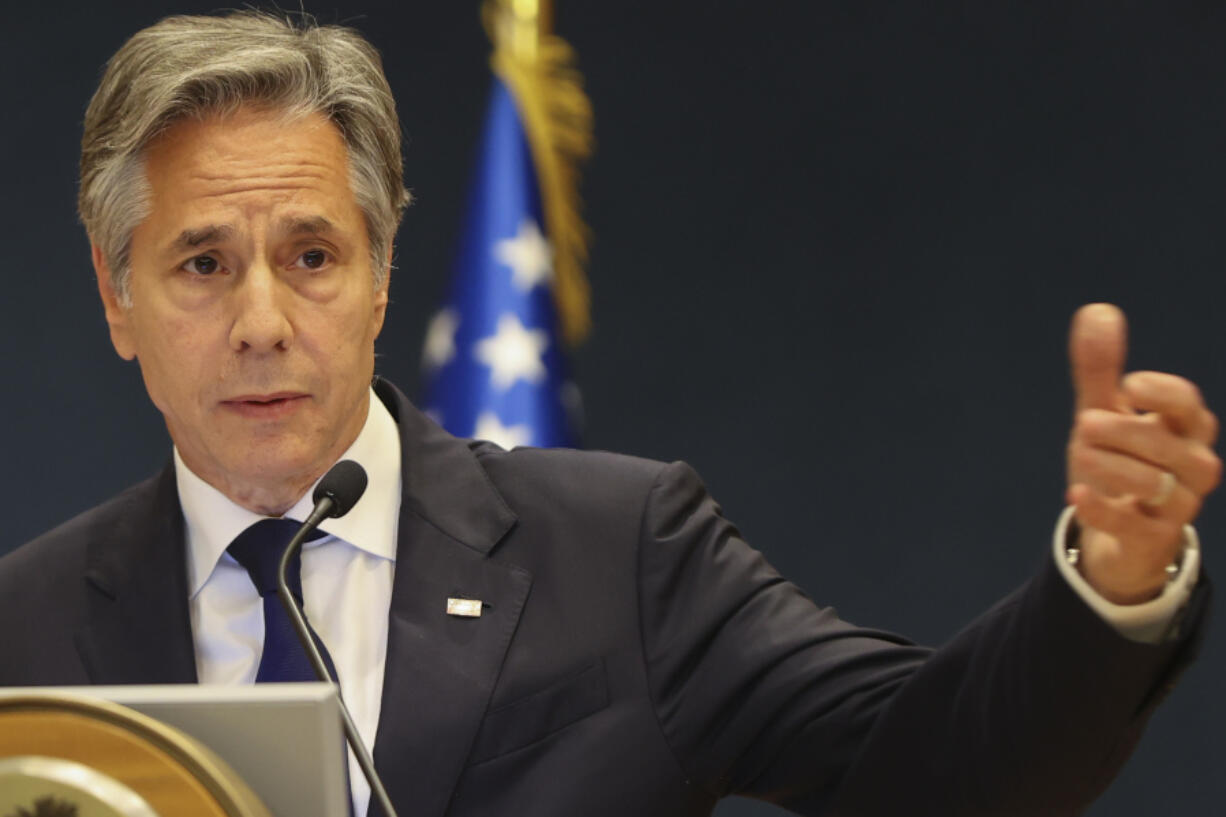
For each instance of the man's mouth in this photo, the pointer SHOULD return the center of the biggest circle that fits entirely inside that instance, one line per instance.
(265, 406)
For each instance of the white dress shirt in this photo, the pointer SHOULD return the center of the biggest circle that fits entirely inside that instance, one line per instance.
(346, 581)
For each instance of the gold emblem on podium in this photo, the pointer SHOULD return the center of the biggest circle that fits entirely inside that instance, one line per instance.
(71, 756)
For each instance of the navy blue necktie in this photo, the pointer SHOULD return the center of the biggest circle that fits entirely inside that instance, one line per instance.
(259, 550)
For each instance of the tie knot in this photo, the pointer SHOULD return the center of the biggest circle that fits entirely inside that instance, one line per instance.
(259, 549)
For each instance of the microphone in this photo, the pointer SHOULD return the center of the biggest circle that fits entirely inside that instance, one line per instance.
(340, 488)
(334, 496)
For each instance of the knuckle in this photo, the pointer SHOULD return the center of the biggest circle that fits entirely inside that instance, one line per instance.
(1212, 465)
(1084, 459)
(1191, 392)
(1091, 424)
(1181, 390)
(1163, 386)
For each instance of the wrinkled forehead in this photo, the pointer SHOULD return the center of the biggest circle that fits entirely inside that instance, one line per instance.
(254, 129)
(210, 177)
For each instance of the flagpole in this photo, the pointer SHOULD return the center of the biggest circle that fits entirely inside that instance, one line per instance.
(539, 70)
(522, 24)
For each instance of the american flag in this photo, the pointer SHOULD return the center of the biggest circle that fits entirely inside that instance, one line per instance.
(494, 367)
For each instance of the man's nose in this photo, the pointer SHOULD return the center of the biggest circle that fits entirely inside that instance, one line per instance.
(261, 322)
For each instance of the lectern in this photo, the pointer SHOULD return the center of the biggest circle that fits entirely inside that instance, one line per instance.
(166, 751)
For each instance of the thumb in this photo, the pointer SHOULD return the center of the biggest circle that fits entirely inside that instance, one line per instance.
(1098, 344)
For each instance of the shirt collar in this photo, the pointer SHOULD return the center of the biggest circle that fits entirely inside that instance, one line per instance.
(213, 520)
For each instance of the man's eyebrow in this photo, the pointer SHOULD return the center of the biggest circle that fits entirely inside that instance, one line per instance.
(190, 239)
(312, 225)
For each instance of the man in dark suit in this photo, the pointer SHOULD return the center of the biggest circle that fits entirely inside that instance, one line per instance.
(620, 648)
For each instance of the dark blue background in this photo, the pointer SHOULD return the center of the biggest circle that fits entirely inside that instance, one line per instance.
(837, 248)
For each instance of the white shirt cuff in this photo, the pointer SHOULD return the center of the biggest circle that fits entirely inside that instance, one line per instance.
(1147, 623)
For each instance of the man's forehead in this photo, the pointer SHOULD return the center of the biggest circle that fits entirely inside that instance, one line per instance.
(218, 178)
(249, 144)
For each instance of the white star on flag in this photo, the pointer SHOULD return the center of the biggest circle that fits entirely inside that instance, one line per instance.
(489, 427)
(439, 347)
(528, 255)
(513, 353)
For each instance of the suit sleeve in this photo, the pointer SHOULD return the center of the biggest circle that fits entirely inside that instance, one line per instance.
(758, 691)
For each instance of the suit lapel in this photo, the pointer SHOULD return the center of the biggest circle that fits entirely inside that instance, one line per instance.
(136, 581)
(441, 669)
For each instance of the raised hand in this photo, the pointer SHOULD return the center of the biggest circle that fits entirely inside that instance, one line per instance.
(1140, 460)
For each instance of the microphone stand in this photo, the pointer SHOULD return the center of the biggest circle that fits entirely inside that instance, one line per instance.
(322, 511)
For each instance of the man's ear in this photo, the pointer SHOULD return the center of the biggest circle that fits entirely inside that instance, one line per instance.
(117, 316)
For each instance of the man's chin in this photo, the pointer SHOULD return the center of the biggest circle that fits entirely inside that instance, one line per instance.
(278, 470)
(269, 476)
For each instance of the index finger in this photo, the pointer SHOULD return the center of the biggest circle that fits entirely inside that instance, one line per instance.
(1177, 400)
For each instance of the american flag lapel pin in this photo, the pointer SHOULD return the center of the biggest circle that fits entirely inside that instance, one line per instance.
(465, 608)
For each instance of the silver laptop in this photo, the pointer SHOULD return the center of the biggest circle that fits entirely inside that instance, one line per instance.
(285, 740)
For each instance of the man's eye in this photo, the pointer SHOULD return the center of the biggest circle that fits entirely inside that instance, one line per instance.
(202, 265)
(313, 259)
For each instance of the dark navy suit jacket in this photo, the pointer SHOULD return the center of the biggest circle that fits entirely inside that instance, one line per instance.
(634, 656)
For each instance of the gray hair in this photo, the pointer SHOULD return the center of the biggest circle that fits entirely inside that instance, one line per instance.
(196, 67)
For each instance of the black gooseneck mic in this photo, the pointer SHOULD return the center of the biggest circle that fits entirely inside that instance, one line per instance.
(338, 491)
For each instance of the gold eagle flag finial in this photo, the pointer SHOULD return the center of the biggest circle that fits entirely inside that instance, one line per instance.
(539, 70)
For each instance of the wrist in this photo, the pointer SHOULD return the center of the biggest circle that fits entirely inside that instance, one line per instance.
(1114, 576)
(1150, 622)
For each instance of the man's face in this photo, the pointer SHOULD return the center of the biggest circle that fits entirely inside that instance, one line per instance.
(253, 312)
